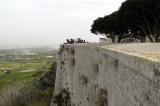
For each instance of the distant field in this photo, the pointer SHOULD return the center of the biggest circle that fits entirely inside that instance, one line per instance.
(25, 64)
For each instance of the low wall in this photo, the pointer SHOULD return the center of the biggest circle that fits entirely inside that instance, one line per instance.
(110, 75)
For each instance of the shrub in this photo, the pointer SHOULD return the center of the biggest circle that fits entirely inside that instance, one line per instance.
(30, 93)
(61, 49)
(19, 94)
(62, 99)
(48, 80)
(45, 99)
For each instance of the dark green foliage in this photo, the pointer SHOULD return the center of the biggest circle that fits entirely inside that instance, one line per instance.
(110, 26)
(48, 80)
(61, 49)
(30, 93)
(144, 16)
(63, 98)
(135, 19)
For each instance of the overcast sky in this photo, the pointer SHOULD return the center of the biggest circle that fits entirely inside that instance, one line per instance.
(47, 22)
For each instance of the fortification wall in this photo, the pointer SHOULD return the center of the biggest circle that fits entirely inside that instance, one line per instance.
(109, 75)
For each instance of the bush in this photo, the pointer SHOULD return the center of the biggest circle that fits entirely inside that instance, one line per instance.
(19, 94)
(30, 93)
(48, 80)
(62, 99)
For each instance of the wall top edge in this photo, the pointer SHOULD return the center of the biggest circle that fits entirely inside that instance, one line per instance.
(149, 51)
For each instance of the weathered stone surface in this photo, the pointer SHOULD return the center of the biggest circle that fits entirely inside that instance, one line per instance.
(110, 75)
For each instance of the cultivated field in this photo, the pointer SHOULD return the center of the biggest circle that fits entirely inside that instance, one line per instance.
(24, 64)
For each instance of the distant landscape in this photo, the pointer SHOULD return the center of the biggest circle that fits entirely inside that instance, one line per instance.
(22, 64)
(26, 75)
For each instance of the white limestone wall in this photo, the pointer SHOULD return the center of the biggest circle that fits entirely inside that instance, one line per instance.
(94, 74)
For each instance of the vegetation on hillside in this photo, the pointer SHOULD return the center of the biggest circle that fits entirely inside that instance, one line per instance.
(30, 93)
(28, 81)
(24, 64)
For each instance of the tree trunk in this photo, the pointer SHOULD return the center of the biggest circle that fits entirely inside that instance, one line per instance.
(119, 40)
(157, 38)
(150, 38)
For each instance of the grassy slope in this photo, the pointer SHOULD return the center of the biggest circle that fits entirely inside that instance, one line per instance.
(37, 92)
(36, 64)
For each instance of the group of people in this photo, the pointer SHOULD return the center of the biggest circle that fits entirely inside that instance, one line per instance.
(78, 40)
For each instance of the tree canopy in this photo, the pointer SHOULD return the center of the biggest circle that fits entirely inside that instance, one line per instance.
(135, 19)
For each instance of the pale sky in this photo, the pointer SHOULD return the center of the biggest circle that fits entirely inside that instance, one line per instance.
(47, 22)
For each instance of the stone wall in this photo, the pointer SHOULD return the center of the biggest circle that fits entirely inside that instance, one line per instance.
(109, 75)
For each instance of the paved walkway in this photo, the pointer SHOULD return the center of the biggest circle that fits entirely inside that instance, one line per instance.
(146, 50)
